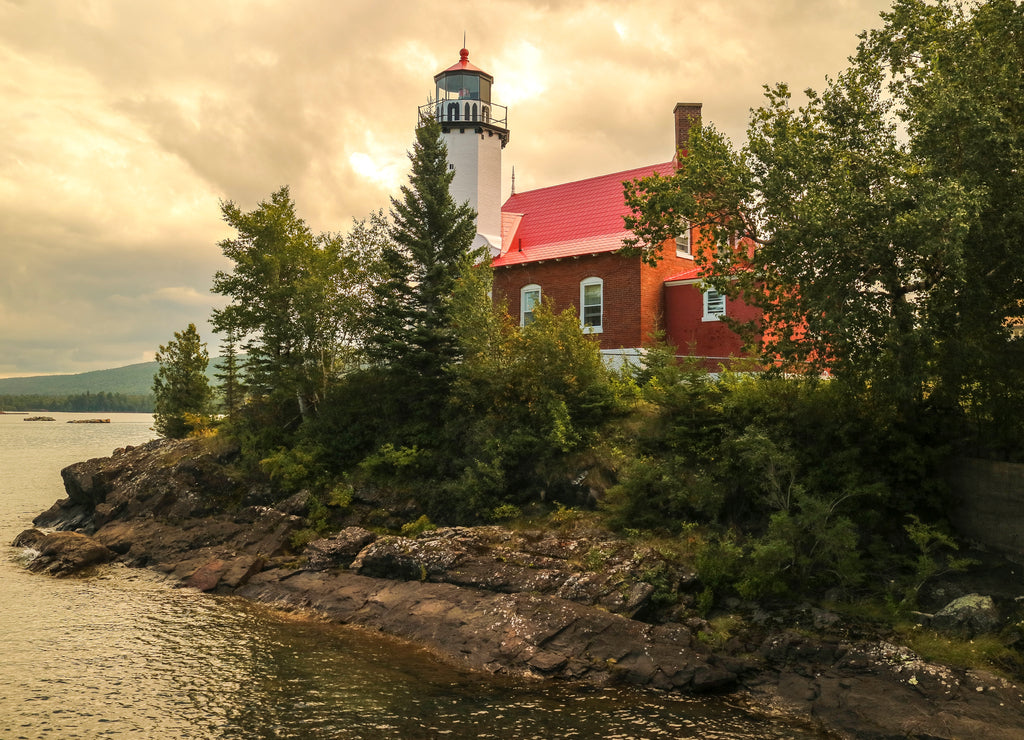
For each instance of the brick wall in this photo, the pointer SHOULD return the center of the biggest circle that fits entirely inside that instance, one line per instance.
(633, 292)
(560, 288)
(687, 330)
(652, 289)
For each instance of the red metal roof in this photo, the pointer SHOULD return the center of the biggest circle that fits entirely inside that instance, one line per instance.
(570, 220)
(694, 273)
(464, 63)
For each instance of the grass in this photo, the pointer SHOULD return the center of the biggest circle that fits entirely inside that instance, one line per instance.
(987, 651)
(981, 652)
(723, 629)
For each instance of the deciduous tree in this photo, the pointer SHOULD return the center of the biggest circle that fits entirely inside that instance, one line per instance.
(886, 209)
(297, 298)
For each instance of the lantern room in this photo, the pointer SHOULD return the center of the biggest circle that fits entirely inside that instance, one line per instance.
(463, 96)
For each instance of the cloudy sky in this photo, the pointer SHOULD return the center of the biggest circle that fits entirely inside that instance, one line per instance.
(124, 123)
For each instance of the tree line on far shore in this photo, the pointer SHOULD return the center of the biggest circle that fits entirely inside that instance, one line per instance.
(101, 401)
(890, 256)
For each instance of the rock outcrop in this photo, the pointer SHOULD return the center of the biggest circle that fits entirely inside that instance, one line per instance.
(535, 603)
(971, 614)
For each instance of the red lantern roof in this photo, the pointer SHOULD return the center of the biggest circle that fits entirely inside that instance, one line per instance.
(464, 64)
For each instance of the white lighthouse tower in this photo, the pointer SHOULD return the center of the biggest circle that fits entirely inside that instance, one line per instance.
(475, 131)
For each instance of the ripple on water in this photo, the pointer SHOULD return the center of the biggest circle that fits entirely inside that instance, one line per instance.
(123, 655)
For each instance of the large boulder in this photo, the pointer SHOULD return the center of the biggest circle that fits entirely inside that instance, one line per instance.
(338, 551)
(971, 614)
(63, 553)
(404, 559)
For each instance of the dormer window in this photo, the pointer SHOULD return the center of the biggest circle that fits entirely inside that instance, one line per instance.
(684, 245)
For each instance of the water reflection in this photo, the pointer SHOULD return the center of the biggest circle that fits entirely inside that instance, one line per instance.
(124, 655)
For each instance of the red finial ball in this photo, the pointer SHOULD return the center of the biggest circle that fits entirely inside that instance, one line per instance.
(464, 55)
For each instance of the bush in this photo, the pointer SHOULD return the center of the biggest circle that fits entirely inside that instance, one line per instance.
(418, 527)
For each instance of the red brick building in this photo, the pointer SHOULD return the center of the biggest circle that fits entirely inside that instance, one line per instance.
(560, 244)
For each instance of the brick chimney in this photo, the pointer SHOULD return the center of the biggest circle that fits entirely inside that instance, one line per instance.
(686, 115)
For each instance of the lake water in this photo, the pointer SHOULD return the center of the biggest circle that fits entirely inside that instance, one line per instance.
(124, 654)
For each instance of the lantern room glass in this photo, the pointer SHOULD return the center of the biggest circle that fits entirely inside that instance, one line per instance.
(463, 86)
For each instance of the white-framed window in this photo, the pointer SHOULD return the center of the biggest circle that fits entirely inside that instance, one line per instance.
(529, 299)
(684, 243)
(714, 304)
(592, 304)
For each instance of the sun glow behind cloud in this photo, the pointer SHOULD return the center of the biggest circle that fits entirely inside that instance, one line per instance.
(124, 125)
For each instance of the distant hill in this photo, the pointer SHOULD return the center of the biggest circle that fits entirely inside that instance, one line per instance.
(131, 380)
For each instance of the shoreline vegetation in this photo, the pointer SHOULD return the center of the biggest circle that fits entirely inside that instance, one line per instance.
(387, 446)
(555, 596)
(102, 401)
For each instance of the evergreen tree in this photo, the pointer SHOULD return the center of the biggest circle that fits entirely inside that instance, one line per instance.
(232, 393)
(180, 385)
(411, 326)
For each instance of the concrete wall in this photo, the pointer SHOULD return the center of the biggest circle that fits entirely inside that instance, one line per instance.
(990, 504)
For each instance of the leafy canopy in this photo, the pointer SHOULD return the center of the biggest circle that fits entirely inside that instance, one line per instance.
(297, 298)
(885, 209)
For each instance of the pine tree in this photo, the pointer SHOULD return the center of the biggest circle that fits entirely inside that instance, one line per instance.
(411, 327)
(232, 392)
(180, 385)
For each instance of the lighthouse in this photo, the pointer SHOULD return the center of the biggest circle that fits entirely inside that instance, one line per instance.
(475, 130)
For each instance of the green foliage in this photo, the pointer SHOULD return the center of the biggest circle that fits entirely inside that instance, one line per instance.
(793, 479)
(886, 214)
(932, 543)
(101, 401)
(524, 404)
(506, 513)
(410, 324)
(180, 387)
(718, 562)
(297, 298)
(317, 524)
(595, 559)
(392, 462)
(340, 496)
(302, 537)
(661, 576)
(672, 477)
(231, 390)
(564, 516)
(418, 527)
(720, 630)
(291, 468)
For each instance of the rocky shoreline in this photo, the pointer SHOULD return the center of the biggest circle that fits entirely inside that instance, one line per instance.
(535, 603)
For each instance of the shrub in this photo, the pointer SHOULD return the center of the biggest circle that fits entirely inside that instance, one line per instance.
(418, 527)
(292, 468)
(505, 512)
